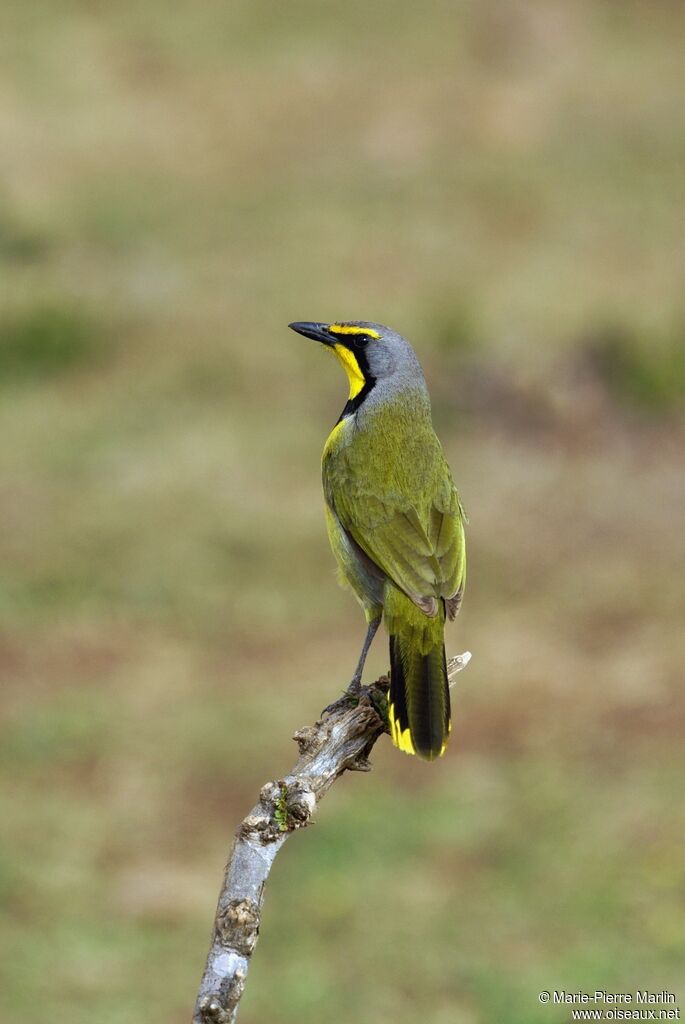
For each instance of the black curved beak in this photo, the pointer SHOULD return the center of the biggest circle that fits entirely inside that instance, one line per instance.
(319, 332)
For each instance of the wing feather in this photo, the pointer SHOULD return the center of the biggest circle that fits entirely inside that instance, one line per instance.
(412, 526)
(423, 556)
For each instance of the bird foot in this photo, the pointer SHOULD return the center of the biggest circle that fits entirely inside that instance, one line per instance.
(350, 698)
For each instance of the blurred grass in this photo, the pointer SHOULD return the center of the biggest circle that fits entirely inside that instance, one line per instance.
(503, 183)
(45, 341)
(648, 376)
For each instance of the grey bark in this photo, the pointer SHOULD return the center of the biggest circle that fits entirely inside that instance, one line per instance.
(341, 741)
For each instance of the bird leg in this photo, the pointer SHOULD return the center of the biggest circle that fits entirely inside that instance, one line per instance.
(356, 681)
(353, 691)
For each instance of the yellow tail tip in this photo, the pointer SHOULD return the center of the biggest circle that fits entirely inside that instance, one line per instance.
(401, 738)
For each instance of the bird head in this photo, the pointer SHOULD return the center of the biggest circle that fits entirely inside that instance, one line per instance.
(369, 353)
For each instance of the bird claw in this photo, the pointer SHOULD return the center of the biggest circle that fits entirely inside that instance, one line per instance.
(349, 699)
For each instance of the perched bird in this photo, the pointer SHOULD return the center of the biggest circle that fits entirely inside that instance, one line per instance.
(395, 523)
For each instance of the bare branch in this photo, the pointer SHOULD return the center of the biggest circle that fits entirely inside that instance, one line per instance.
(339, 742)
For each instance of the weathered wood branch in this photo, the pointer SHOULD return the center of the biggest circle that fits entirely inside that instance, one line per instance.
(340, 741)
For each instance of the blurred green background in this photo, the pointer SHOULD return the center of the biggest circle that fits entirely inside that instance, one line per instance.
(503, 183)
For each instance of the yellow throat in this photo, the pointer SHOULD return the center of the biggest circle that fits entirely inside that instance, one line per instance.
(351, 366)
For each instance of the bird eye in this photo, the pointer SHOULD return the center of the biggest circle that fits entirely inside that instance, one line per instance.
(360, 340)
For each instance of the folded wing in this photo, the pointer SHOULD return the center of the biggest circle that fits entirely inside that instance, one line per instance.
(421, 551)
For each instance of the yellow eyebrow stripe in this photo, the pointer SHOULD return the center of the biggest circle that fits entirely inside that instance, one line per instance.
(348, 329)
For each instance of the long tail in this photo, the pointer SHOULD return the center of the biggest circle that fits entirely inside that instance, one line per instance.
(419, 700)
